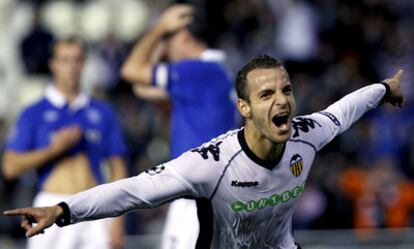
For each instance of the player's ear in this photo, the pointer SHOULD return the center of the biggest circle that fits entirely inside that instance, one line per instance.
(244, 108)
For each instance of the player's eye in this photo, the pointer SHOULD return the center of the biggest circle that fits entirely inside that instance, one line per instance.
(265, 94)
(287, 90)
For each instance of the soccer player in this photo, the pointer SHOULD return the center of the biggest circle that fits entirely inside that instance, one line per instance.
(65, 137)
(252, 177)
(200, 89)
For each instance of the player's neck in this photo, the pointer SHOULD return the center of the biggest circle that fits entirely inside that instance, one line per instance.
(195, 50)
(261, 146)
(70, 93)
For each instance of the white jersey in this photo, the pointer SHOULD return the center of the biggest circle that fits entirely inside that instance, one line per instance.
(252, 200)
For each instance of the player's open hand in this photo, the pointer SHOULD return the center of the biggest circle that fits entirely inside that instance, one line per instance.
(176, 17)
(396, 97)
(44, 217)
(65, 138)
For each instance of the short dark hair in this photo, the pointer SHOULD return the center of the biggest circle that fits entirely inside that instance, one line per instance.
(198, 27)
(70, 40)
(261, 61)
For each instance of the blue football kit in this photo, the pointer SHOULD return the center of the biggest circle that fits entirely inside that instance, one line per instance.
(201, 94)
(101, 134)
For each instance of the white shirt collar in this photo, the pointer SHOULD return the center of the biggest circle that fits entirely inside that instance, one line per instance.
(213, 55)
(56, 98)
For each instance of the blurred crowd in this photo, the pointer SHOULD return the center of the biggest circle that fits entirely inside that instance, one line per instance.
(363, 179)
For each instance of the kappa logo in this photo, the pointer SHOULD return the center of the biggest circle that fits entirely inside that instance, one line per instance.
(212, 148)
(304, 125)
(244, 184)
(296, 165)
(155, 170)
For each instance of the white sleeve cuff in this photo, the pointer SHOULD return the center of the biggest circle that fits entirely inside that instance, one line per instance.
(161, 76)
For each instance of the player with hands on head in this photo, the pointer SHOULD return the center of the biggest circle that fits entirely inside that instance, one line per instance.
(164, 39)
(252, 176)
(173, 61)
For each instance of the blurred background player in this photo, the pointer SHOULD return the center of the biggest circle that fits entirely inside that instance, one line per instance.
(200, 89)
(66, 136)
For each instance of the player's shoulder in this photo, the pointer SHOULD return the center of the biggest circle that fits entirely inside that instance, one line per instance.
(101, 106)
(99, 103)
(197, 66)
(304, 124)
(35, 109)
(219, 149)
(309, 127)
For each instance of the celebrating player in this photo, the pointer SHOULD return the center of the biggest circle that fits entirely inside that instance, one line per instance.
(251, 177)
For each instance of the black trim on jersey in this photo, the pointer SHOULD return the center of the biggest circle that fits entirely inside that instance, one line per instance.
(268, 164)
(64, 219)
(222, 174)
(305, 142)
(387, 91)
(293, 236)
(205, 218)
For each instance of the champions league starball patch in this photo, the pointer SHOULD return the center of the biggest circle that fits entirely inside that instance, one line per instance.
(155, 170)
(296, 165)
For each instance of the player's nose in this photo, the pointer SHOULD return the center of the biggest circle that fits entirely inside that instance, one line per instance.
(280, 99)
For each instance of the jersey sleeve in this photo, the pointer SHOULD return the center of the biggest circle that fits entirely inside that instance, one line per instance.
(160, 75)
(21, 136)
(178, 178)
(339, 116)
(184, 80)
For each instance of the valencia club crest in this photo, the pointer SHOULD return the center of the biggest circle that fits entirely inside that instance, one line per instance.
(296, 165)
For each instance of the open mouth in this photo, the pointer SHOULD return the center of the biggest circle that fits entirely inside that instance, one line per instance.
(280, 119)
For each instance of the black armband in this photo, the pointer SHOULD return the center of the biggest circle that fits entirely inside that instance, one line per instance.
(387, 91)
(64, 219)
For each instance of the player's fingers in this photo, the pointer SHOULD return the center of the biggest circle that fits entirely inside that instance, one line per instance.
(399, 74)
(397, 102)
(185, 15)
(187, 20)
(19, 211)
(401, 102)
(189, 11)
(26, 224)
(178, 11)
(185, 9)
(35, 230)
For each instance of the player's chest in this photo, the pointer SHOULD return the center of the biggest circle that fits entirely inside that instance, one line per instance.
(249, 187)
(89, 120)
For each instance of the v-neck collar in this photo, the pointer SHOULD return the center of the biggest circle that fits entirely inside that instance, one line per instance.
(268, 164)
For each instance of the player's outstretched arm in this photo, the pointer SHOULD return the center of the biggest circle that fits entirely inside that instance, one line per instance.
(162, 183)
(340, 115)
(351, 107)
(43, 216)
